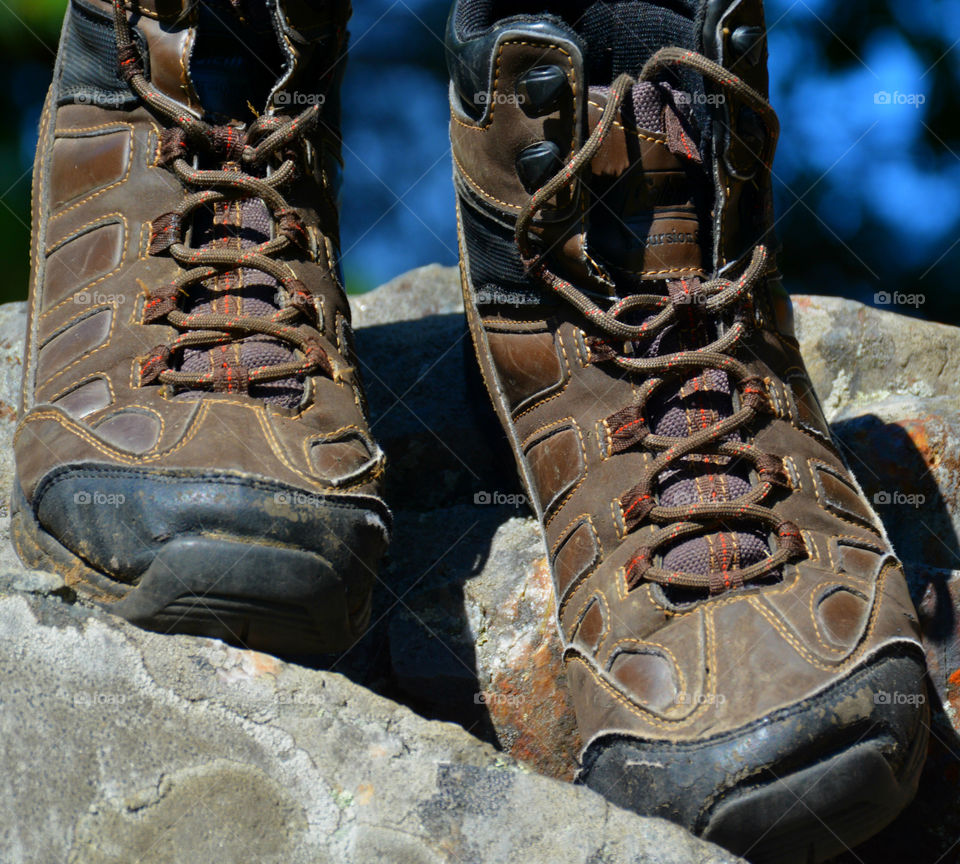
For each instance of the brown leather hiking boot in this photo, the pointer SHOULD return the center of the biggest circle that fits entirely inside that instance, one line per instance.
(193, 450)
(740, 643)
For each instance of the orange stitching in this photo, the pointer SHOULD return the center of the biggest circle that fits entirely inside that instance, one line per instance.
(116, 183)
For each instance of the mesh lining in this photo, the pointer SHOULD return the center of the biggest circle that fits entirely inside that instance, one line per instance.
(705, 398)
(494, 258)
(471, 18)
(251, 292)
(88, 70)
(223, 68)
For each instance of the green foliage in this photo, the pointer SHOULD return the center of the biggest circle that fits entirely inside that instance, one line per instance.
(26, 21)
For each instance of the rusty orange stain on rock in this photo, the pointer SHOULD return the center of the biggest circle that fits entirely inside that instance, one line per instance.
(918, 432)
(530, 697)
(364, 794)
(264, 664)
(954, 678)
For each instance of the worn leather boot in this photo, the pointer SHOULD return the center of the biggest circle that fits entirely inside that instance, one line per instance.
(193, 449)
(739, 641)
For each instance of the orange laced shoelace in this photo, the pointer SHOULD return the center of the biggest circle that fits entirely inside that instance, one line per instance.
(628, 427)
(242, 151)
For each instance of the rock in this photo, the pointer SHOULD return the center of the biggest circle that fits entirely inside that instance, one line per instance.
(34, 582)
(13, 327)
(122, 745)
(489, 647)
(418, 294)
(462, 630)
(889, 386)
(857, 356)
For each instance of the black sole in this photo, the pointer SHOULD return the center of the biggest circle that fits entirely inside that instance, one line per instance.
(818, 812)
(270, 598)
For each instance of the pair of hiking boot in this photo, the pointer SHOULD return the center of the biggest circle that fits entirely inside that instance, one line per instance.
(194, 450)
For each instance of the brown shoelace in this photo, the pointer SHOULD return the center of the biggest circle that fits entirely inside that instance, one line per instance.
(241, 151)
(628, 427)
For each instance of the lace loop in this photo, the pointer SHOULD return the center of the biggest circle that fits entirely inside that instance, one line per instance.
(238, 149)
(622, 344)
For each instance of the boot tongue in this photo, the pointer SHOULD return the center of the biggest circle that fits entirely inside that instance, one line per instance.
(236, 60)
(654, 226)
(229, 78)
(241, 292)
(649, 186)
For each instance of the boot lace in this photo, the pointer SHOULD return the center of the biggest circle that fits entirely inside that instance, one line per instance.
(245, 153)
(629, 427)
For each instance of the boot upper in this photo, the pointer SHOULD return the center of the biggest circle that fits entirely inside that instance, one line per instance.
(676, 197)
(103, 187)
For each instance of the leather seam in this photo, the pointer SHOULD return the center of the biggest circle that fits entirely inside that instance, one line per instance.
(99, 192)
(88, 285)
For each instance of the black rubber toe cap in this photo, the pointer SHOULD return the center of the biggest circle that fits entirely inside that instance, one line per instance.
(797, 786)
(118, 519)
(225, 555)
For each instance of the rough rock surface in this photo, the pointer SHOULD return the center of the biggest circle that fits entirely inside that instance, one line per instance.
(121, 745)
(462, 630)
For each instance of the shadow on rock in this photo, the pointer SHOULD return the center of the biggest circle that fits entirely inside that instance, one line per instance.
(895, 469)
(901, 468)
(451, 485)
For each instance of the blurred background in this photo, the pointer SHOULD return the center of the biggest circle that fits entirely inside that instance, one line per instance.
(867, 174)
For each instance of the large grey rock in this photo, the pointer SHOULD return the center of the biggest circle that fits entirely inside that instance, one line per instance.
(13, 327)
(124, 746)
(121, 745)
(159, 742)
